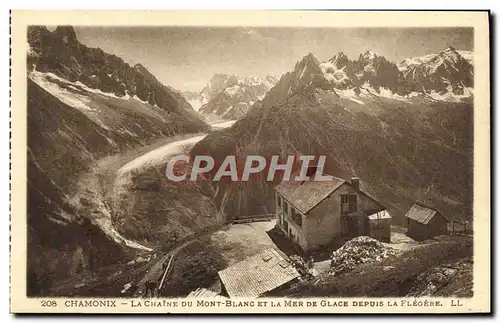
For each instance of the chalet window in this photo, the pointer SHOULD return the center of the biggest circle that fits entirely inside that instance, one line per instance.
(285, 226)
(297, 217)
(344, 203)
(348, 203)
(278, 199)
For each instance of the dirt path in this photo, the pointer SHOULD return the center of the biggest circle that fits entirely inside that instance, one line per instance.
(157, 268)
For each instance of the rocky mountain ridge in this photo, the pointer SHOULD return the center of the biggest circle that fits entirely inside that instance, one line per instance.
(61, 53)
(445, 76)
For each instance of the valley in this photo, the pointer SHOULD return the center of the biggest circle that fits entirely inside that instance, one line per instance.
(104, 219)
(96, 192)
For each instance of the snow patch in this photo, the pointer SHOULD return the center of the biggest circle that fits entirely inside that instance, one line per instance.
(268, 82)
(449, 96)
(332, 73)
(412, 95)
(196, 104)
(232, 90)
(349, 95)
(135, 97)
(42, 77)
(387, 93)
(221, 125)
(227, 111)
(75, 100)
(467, 54)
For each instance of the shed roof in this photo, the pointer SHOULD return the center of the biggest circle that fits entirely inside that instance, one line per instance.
(421, 213)
(203, 293)
(306, 195)
(379, 215)
(258, 274)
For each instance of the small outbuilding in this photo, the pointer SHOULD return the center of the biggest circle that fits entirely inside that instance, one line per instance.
(258, 275)
(380, 226)
(425, 222)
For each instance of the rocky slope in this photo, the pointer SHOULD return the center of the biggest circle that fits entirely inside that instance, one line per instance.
(229, 97)
(435, 268)
(404, 147)
(83, 105)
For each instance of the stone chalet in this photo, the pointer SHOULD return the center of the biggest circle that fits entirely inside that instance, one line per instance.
(313, 213)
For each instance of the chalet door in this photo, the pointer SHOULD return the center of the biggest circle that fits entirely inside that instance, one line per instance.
(350, 226)
(349, 222)
(344, 225)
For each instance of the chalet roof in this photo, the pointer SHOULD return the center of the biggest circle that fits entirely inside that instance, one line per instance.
(204, 293)
(258, 274)
(306, 195)
(421, 213)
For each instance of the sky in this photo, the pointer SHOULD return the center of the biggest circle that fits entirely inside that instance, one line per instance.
(187, 57)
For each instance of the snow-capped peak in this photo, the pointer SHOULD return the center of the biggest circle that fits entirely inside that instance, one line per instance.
(309, 65)
(337, 57)
(403, 65)
(369, 54)
(450, 54)
(339, 60)
(433, 61)
(269, 81)
(468, 55)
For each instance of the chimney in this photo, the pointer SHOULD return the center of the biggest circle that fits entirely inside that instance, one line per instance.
(355, 183)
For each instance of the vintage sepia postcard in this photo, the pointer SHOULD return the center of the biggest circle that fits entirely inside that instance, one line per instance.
(250, 162)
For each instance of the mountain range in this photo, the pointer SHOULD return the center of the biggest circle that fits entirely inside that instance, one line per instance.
(445, 76)
(228, 96)
(408, 137)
